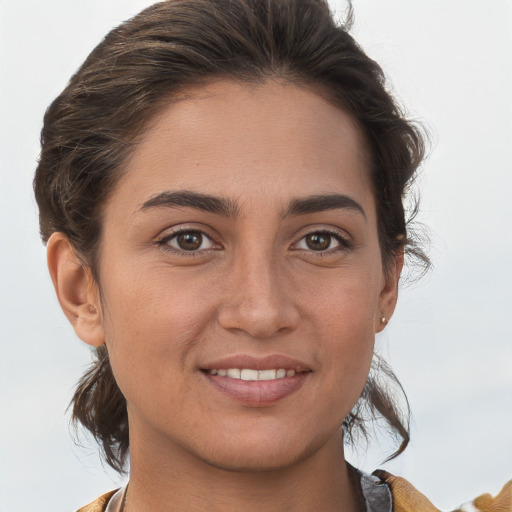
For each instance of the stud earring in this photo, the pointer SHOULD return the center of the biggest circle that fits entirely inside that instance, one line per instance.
(383, 320)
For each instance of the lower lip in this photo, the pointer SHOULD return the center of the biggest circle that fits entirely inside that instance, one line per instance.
(258, 393)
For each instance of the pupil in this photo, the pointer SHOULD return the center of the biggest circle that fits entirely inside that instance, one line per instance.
(318, 242)
(189, 241)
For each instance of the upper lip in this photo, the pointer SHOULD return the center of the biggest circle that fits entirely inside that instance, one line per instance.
(270, 362)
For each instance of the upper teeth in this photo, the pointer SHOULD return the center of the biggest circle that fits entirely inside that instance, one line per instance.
(248, 374)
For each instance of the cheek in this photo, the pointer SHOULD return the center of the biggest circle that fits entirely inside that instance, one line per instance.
(343, 300)
(151, 302)
(344, 325)
(150, 319)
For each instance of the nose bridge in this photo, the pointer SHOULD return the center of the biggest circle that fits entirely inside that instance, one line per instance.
(258, 299)
(259, 279)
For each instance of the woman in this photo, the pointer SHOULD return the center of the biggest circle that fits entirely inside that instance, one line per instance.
(220, 188)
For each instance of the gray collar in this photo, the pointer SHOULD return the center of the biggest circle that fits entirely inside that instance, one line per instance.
(376, 493)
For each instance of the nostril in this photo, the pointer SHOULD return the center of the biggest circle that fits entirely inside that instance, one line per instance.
(261, 320)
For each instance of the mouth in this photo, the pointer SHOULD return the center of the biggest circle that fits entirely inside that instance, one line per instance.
(257, 382)
(251, 375)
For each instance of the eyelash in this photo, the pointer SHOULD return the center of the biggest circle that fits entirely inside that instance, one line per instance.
(164, 242)
(345, 244)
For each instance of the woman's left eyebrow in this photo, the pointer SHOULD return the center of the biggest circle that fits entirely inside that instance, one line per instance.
(322, 203)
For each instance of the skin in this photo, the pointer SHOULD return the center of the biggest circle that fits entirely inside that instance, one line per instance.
(254, 287)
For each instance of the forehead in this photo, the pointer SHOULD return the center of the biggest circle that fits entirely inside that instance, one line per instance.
(254, 143)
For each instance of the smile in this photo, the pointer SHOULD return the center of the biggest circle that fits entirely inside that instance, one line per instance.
(252, 375)
(256, 388)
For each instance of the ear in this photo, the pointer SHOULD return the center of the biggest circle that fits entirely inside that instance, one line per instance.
(76, 290)
(389, 293)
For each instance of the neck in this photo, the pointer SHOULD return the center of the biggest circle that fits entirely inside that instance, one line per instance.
(174, 479)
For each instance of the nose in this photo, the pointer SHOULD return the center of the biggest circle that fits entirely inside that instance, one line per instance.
(259, 299)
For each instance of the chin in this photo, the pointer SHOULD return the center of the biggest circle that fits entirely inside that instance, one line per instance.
(259, 457)
(252, 463)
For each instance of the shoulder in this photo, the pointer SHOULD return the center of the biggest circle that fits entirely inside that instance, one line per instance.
(406, 498)
(100, 504)
(486, 503)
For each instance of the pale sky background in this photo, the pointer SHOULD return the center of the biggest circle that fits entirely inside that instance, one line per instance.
(450, 342)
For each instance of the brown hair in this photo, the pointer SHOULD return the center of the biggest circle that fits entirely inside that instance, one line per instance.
(92, 127)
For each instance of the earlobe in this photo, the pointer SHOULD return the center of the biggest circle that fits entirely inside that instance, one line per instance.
(389, 293)
(76, 290)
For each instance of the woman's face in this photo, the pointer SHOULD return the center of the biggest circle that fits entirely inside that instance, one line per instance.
(241, 277)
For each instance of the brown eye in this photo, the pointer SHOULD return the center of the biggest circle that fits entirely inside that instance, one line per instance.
(322, 241)
(318, 241)
(190, 241)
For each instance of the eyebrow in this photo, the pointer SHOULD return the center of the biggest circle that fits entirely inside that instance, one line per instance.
(322, 203)
(229, 208)
(204, 202)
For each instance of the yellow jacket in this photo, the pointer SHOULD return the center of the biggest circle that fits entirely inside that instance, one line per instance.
(405, 498)
(408, 499)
